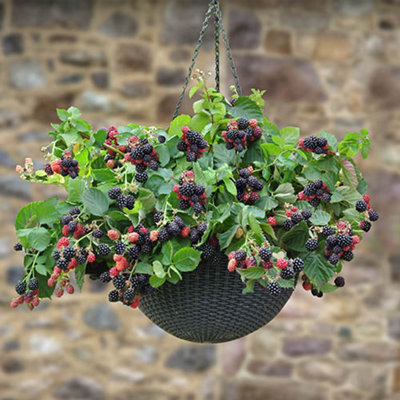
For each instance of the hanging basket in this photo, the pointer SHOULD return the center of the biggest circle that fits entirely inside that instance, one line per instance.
(208, 306)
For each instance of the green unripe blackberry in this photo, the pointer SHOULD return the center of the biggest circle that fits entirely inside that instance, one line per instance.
(298, 264)
(20, 288)
(113, 296)
(274, 288)
(311, 244)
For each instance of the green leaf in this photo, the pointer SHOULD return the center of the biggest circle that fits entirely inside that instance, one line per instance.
(270, 203)
(252, 272)
(63, 115)
(199, 121)
(164, 155)
(230, 186)
(75, 188)
(320, 218)
(80, 275)
(254, 225)
(175, 129)
(296, 237)
(246, 108)
(290, 135)
(328, 288)
(268, 229)
(143, 268)
(95, 201)
(286, 283)
(156, 282)
(100, 137)
(39, 238)
(101, 175)
(225, 238)
(317, 269)
(44, 289)
(332, 141)
(186, 259)
(147, 199)
(270, 149)
(158, 269)
(42, 269)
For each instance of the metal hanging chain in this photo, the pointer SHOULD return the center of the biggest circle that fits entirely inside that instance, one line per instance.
(228, 50)
(216, 39)
(195, 54)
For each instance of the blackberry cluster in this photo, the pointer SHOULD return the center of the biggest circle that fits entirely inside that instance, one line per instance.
(69, 166)
(239, 134)
(339, 246)
(295, 217)
(190, 194)
(143, 155)
(143, 244)
(314, 145)
(315, 192)
(192, 144)
(128, 289)
(247, 186)
(121, 200)
(371, 215)
(112, 158)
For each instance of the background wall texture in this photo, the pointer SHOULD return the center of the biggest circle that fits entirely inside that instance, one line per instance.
(326, 64)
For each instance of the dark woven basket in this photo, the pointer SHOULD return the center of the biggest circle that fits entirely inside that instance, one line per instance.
(208, 306)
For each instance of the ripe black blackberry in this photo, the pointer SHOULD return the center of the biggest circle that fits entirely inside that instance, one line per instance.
(158, 216)
(161, 139)
(62, 263)
(114, 193)
(72, 226)
(97, 233)
(134, 252)
(187, 189)
(339, 281)
(81, 258)
(298, 264)
(334, 259)
(119, 282)
(120, 248)
(337, 249)
(75, 211)
(328, 230)
(33, 284)
(198, 208)
(180, 223)
(146, 248)
(105, 277)
(191, 157)
(274, 288)
(244, 173)
(243, 123)
(296, 217)
(331, 241)
(326, 198)
(142, 279)
(194, 235)
(287, 273)
(344, 240)
(20, 288)
(241, 183)
(184, 204)
(347, 255)
(173, 229)
(309, 189)
(121, 201)
(365, 225)
(373, 215)
(129, 202)
(163, 235)
(129, 295)
(318, 184)
(56, 254)
(207, 251)
(310, 142)
(361, 206)
(311, 244)
(18, 246)
(147, 290)
(265, 254)
(103, 249)
(69, 252)
(307, 214)
(314, 291)
(288, 224)
(113, 296)
(202, 227)
(240, 255)
(254, 183)
(199, 190)
(66, 219)
(315, 202)
(141, 177)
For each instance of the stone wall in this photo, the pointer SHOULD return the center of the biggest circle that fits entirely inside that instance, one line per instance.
(326, 64)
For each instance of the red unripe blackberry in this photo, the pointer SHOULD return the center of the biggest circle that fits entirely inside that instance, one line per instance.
(272, 221)
(307, 286)
(311, 244)
(185, 231)
(112, 234)
(281, 263)
(232, 265)
(91, 258)
(59, 292)
(274, 288)
(339, 281)
(70, 289)
(366, 198)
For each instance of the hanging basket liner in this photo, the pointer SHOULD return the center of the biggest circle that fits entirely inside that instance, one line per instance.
(208, 306)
